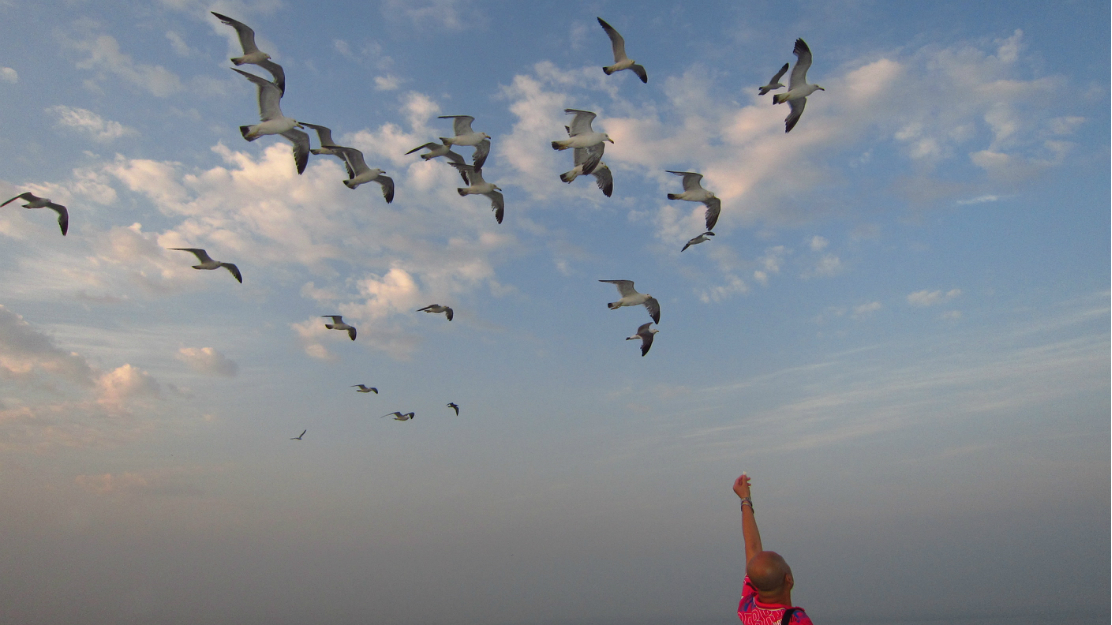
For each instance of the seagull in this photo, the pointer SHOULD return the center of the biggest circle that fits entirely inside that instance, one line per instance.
(327, 145)
(437, 308)
(338, 324)
(631, 297)
(697, 240)
(298, 437)
(582, 135)
(359, 173)
(646, 336)
(399, 416)
(774, 83)
(34, 201)
(621, 61)
(798, 89)
(477, 186)
(694, 192)
(208, 263)
(589, 161)
(251, 53)
(461, 125)
(439, 149)
(274, 122)
(365, 389)
(453, 406)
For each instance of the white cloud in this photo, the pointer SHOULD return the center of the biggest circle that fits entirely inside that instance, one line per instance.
(178, 44)
(208, 361)
(27, 354)
(388, 82)
(931, 298)
(102, 54)
(125, 384)
(90, 123)
(8, 74)
(865, 310)
(827, 266)
(818, 243)
(441, 13)
(981, 199)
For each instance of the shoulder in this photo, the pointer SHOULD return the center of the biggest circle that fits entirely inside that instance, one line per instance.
(799, 617)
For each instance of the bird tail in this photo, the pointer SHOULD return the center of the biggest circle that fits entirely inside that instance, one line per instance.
(568, 176)
(607, 70)
(779, 98)
(556, 146)
(350, 184)
(245, 131)
(672, 196)
(613, 306)
(462, 192)
(329, 326)
(762, 91)
(635, 336)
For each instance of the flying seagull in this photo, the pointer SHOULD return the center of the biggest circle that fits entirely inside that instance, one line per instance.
(798, 89)
(631, 297)
(437, 308)
(589, 161)
(274, 122)
(697, 240)
(34, 201)
(774, 83)
(439, 149)
(359, 173)
(399, 416)
(251, 52)
(621, 61)
(646, 336)
(464, 135)
(582, 135)
(453, 406)
(338, 324)
(208, 263)
(298, 437)
(694, 192)
(477, 186)
(327, 145)
(365, 389)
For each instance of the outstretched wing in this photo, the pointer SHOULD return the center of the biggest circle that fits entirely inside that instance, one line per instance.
(324, 135)
(581, 123)
(63, 216)
(714, 208)
(653, 307)
(604, 178)
(802, 64)
(300, 142)
(387, 187)
(276, 71)
(779, 75)
(196, 251)
(246, 35)
(482, 150)
(461, 124)
(625, 287)
(617, 43)
(498, 205)
(690, 180)
(353, 158)
(30, 197)
(641, 73)
(797, 105)
(235, 271)
(269, 96)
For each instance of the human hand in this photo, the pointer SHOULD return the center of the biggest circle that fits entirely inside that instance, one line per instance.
(741, 486)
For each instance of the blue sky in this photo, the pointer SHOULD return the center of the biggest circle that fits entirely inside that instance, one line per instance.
(901, 329)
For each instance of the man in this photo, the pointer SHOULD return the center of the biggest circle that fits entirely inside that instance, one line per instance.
(766, 597)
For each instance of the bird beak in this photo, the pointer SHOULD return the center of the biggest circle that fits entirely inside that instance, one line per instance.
(821, 89)
(610, 140)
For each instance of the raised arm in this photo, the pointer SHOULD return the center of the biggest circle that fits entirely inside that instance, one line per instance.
(749, 532)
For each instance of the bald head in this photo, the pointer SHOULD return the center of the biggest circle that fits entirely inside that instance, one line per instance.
(769, 572)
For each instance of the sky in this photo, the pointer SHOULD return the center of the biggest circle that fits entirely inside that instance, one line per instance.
(900, 330)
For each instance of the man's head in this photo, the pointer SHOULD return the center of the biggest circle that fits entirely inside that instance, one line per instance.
(770, 573)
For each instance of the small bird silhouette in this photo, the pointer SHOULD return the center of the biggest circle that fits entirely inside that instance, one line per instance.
(365, 389)
(453, 406)
(298, 437)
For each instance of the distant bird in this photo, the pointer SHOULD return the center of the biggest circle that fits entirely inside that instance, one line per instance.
(399, 416)
(477, 186)
(338, 324)
(774, 83)
(365, 389)
(694, 192)
(439, 149)
(34, 201)
(208, 263)
(464, 135)
(437, 308)
(327, 145)
(359, 173)
(582, 134)
(697, 240)
(274, 122)
(298, 437)
(589, 161)
(251, 52)
(621, 61)
(798, 89)
(453, 406)
(646, 336)
(631, 297)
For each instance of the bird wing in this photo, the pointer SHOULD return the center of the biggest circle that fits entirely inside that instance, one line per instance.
(392, 414)
(646, 340)
(427, 146)
(198, 252)
(653, 307)
(779, 75)
(354, 160)
(324, 135)
(689, 244)
(269, 96)
(276, 71)
(604, 178)
(63, 216)
(482, 150)
(387, 187)
(235, 271)
(30, 197)
(448, 312)
(617, 43)
(334, 318)
(690, 180)
(467, 171)
(625, 287)
(498, 205)
(300, 142)
(476, 176)
(802, 64)
(792, 119)
(714, 208)
(246, 35)
(351, 332)
(641, 73)
(461, 124)
(581, 123)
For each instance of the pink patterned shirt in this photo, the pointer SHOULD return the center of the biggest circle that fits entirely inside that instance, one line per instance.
(753, 612)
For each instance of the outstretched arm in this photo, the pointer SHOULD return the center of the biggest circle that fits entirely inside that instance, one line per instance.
(749, 532)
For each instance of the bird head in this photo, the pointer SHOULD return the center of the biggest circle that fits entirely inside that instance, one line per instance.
(485, 135)
(497, 188)
(653, 330)
(819, 88)
(608, 138)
